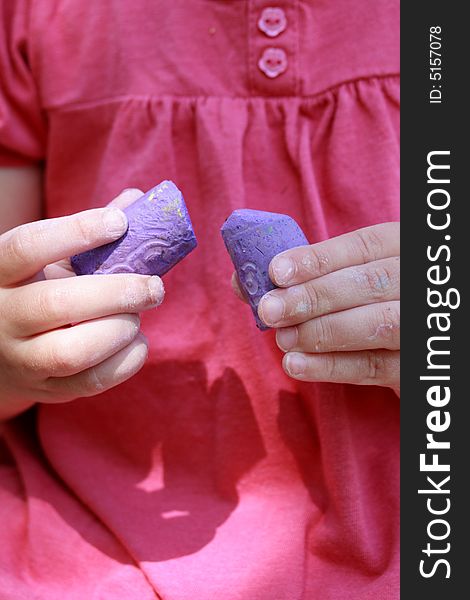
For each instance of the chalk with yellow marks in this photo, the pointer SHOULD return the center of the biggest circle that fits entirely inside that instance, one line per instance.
(160, 234)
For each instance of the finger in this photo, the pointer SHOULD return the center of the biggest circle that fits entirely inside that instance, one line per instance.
(59, 269)
(236, 287)
(111, 372)
(126, 197)
(356, 248)
(362, 328)
(28, 248)
(377, 281)
(46, 305)
(370, 367)
(63, 268)
(64, 352)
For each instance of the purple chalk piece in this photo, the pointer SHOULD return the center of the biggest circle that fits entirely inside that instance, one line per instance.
(159, 235)
(253, 238)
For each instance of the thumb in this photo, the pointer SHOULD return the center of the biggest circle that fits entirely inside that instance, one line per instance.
(126, 197)
(63, 268)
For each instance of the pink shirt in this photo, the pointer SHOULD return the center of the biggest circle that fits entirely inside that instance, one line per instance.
(210, 474)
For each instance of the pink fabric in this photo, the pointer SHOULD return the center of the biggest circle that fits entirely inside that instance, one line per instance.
(210, 474)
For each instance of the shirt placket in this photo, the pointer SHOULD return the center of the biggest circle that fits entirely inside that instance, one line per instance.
(273, 38)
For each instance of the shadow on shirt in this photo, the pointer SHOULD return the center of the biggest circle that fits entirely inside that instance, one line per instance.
(157, 460)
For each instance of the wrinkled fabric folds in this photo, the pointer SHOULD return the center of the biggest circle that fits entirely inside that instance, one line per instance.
(210, 474)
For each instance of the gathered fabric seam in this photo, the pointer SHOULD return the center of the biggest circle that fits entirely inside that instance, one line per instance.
(316, 97)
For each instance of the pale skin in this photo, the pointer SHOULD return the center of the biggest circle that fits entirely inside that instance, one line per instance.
(337, 310)
(62, 336)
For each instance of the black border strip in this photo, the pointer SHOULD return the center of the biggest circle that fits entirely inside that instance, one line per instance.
(428, 127)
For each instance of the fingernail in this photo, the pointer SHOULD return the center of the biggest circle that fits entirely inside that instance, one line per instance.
(133, 190)
(115, 222)
(144, 338)
(286, 338)
(283, 269)
(295, 364)
(271, 309)
(157, 291)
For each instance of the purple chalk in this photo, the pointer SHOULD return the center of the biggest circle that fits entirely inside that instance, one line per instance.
(253, 238)
(160, 234)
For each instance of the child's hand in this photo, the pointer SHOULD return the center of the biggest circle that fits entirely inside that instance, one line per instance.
(338, 318)
(44, 358)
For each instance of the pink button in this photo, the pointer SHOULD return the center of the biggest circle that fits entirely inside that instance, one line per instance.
(272, 21)
(273, 62)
